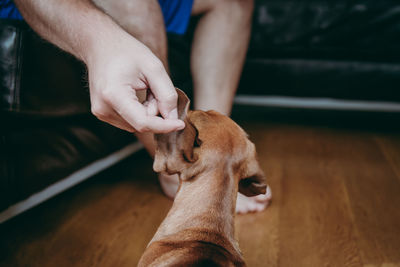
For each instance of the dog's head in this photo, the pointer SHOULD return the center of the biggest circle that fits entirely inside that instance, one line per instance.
(209, 141)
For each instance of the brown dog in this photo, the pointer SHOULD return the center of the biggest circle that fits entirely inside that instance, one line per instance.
(214, 159)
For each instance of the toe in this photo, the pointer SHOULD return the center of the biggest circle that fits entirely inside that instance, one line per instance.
(253, 204)
(269, 192)
(264, 198)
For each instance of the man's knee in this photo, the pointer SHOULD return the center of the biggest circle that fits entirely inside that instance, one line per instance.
(242, 8)
(131, 12)
(246, 6)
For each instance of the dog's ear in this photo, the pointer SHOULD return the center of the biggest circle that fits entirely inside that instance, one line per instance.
(174, 151)
(253, 181)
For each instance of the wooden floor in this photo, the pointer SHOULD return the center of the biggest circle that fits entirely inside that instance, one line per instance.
(336, 203)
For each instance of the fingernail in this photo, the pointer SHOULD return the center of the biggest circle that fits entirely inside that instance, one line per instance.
(173, 114)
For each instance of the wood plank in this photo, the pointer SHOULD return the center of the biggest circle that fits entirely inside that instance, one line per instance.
(258, 233)
(315, 223)
(390, 147)
(374, 194)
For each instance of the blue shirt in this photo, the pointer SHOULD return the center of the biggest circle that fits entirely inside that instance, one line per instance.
(176, 13)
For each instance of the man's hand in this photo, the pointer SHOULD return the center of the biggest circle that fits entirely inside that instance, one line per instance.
(116, 73)
(118, 64)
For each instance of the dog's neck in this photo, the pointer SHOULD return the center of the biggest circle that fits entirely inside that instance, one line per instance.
(206, 201)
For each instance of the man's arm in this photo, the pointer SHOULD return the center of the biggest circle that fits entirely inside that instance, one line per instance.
(71, 25)
(118, 64)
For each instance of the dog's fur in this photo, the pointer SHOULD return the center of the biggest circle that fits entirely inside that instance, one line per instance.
(214, 159)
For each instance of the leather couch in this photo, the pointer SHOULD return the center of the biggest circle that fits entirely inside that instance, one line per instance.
(342, 51)
(302, 54)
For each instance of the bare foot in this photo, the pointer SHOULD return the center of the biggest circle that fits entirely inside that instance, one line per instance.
(253, 204)
(170, 184)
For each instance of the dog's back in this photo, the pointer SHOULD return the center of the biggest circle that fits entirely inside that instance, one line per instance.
(192, 247)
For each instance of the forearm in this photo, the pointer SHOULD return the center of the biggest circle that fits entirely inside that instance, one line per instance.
(76, 26)
(118, 64)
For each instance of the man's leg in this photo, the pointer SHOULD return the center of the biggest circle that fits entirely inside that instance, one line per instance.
(218, 52)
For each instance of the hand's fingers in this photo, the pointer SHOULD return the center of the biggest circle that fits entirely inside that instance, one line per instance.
(151, 107)
(135, 114)
(143, 122)
(151, 104)
(149, 95)
(112, 117)
(164, 91)
(121, 125)
(160, 125)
